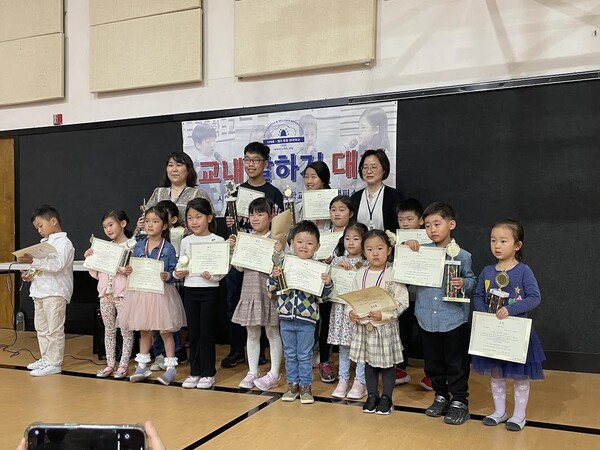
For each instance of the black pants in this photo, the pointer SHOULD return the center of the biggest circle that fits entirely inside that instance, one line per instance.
(200, 306)
(237, 333)
(388, 378)
(447, 362)
(322, 331)
(407, 323)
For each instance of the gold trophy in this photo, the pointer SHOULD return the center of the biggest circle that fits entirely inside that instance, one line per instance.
(288, 203)
(230, 198)
(129, 244)
(497, 297)
(138, 233)
(452, 270)
(281, 283)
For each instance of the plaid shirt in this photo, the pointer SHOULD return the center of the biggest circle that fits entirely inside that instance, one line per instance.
(297, 304)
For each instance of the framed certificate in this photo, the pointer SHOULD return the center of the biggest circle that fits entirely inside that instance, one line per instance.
(328, 243)
(422, 268)
(370, 299)
(304, 274)
(244, 198)
(41, 251)
(342, 282)
(212, 257)
(254, 252)
(506, 339)
(412, 235)
(146, 275)
(107, 256)
(316, 203)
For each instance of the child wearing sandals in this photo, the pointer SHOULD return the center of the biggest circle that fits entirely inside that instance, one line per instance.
(111, 290)
(506, 243)
(341, 328)
(256, 310)
(376, 339)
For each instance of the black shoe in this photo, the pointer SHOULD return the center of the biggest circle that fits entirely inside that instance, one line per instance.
(370, 405)
(233, 359)
(457, 414)
(438, 408)
(182, 356)
(385, 405)
(262, 360)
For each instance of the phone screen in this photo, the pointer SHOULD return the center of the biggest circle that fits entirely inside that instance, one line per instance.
(82, 438)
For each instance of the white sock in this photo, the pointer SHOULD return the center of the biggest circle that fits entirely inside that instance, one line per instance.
(499, 394)
(253, 347)
(521, 398)
(275, 349)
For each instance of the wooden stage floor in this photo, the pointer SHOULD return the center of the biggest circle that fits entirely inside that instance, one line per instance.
(562, 409)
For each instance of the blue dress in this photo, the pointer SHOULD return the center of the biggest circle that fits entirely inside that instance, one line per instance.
(524, 295)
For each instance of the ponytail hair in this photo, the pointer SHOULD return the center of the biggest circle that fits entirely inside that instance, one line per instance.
(119, 216)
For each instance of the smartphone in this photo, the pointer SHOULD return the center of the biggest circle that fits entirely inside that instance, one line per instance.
(67, 436)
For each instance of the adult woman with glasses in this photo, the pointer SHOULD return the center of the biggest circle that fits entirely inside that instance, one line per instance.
(375, 204)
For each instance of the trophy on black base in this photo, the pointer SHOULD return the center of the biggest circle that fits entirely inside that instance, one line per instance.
(497, 297)
(452, 270)
(230, 199)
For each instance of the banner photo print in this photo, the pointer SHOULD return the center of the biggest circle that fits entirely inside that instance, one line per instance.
(338, 136)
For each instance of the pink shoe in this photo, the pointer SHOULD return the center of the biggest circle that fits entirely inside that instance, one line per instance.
(341, 389)
(357, 392)
(248, 381)
(267, 382)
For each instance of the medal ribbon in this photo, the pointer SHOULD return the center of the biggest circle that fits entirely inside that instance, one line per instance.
(162, 245)
(377, 282)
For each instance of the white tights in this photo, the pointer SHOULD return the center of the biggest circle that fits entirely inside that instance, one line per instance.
(275, 348)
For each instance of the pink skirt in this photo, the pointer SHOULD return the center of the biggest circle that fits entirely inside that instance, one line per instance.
(151, 311)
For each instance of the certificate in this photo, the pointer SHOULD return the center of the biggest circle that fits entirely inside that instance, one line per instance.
(316, 203)
(369, 299)
(176, 237)
(329, 242)
(40, 251)
(107, 256)
(342, 282)
(212, 257)
(146, 275)
(304, 274)
(254, 252)
(244, 198)
(506, 339)
(422, 268)
(412, 235)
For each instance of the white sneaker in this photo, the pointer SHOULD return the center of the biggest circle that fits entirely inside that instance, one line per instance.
(190, 382)
(167, 377)
(341, 389)
(158, 364)
(248, 381)
(36, 364)
(140, 374)
(357, 391)
(45, 369)
(205, 382)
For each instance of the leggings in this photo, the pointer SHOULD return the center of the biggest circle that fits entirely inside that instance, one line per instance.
(109, 307)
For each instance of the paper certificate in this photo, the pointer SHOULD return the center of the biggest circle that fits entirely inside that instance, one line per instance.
(212, 257)
(315, 204)
(40, 251)
(146, 275)
(254, 252)
(422, 268)
(304, 274)
(328, 243)
(370, 299)
(342, 282)
(506, 339)
(412, 235)
(244, 198)
(107, 256)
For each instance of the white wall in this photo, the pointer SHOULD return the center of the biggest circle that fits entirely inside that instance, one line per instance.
(420, 43)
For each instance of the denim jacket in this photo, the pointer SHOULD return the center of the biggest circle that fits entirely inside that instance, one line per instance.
(436, 315)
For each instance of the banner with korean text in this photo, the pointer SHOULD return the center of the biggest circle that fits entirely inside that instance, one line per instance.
(338, 136)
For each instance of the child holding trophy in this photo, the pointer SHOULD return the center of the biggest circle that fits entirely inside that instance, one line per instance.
(376, 339)
(111, 290)
(444, 323)
(256, 310)
(201, 293)
(509, 288)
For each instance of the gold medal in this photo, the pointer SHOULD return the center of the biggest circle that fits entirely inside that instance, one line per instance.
(370, 327)
(358, 265)
(502, 279)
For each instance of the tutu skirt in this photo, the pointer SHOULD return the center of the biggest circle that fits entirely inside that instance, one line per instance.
(152, 311)
(531, 369)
